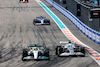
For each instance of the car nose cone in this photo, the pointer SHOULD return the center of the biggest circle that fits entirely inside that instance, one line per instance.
(35, 54)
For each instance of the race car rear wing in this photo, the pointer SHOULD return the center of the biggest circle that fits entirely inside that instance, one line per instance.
(66, 42)
(61, 42)
(35, 45)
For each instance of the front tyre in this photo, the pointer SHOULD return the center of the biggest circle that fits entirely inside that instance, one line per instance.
(46, 53)
(58, 50)
(23, 59)
(49, 23)
(34, 21)
(83, 51)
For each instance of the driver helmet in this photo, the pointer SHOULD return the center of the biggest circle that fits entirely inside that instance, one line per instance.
(35, 44)
(69, 41)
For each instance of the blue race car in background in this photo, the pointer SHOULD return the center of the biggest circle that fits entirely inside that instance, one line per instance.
(41, 21)
(35, 52)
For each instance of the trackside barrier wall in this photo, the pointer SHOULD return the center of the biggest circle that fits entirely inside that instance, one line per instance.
(90, 33)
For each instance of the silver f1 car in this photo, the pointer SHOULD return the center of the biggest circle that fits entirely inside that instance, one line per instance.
(36, 52)
(69, 48)
(41, 21)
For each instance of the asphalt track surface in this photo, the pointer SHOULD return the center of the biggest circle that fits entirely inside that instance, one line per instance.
(17, 31)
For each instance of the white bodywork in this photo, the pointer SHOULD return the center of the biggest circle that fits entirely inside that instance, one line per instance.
(35, 51)
(70, 46)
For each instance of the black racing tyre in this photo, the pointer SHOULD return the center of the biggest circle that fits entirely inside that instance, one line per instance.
(23, 59)
(77, 48)
(83, 51)
(25, 52)
(58, 50)
(46, 53)
(34, 21)
(47, 21)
